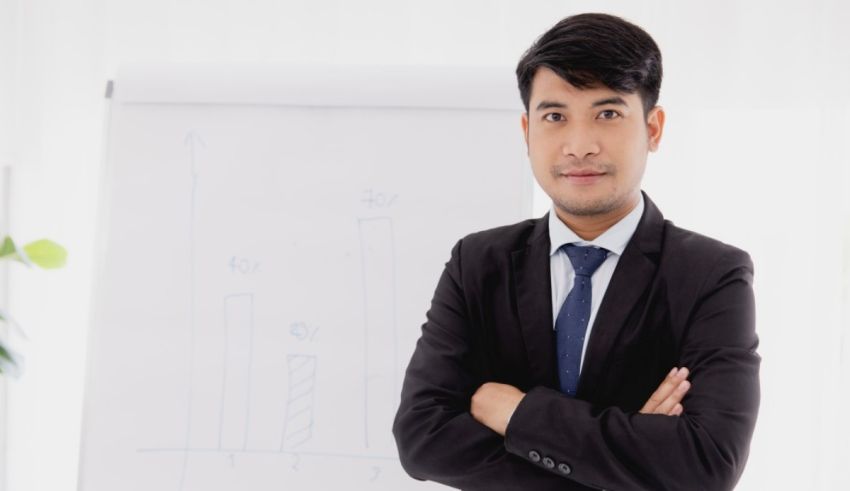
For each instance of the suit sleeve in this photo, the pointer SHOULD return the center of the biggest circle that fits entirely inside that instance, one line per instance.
(437, 437)
(706, 447)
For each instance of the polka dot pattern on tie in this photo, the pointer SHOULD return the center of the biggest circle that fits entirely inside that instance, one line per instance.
(571, 324)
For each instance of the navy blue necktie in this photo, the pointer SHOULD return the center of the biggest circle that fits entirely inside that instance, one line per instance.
(573, 317)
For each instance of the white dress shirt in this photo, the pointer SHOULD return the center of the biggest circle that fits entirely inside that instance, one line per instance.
(614, 239)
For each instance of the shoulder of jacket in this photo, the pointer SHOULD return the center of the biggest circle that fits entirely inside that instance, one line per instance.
(694, 249)
(505, 238)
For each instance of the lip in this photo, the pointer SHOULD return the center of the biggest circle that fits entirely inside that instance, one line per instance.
(584, 177)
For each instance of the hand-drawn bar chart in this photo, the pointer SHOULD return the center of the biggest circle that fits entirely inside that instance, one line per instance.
(269, 254)
(222, 389)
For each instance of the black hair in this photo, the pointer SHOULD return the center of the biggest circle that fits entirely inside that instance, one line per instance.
(591, 49)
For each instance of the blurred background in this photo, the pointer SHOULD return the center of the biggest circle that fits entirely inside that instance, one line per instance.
(754, 153)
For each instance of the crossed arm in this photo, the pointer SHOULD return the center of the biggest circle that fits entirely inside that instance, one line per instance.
(493, 403)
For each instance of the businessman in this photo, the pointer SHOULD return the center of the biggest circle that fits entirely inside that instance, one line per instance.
(600, 346)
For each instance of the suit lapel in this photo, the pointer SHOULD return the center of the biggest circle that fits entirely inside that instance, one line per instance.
(632, 277)
(534, 304)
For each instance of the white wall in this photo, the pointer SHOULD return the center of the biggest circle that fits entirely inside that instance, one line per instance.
(752, 154)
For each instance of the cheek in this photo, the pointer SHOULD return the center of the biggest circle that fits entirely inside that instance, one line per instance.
(540, 170)
(537, 155)
(628, 151)
(543, 149)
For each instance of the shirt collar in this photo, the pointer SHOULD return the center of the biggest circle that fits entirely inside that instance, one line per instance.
(614, 239)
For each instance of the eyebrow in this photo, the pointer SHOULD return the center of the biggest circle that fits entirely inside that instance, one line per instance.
(601, 102)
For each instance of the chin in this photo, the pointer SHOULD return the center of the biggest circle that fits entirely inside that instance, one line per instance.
(588, 206)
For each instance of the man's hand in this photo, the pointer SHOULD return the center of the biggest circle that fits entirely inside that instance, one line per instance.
(493, 405)
(666, 399)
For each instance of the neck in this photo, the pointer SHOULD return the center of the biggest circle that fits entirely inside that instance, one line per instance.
(589, 227)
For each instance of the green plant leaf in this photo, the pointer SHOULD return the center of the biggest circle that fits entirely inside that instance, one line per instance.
(8, 250)
(4, 354)
(46, 253)
(9, 363)
(8, 246)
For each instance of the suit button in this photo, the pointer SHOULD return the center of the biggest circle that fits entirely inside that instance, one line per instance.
(564, 468)
(549, 463)
(534, 456)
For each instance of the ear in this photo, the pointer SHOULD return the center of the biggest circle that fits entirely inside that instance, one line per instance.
(524, 123)
(655, 127)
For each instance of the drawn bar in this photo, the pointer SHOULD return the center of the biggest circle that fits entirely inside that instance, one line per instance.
(236, 382)
(378, 266)
(298, 421)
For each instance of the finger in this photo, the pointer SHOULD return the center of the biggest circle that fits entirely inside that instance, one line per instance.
(677, 410)
(660, 393)
(668, 404)
(667, 387)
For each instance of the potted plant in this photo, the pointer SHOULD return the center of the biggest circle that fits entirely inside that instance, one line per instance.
(43, 253)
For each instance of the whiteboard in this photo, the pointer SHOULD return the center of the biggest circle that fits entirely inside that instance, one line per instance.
(269, 242)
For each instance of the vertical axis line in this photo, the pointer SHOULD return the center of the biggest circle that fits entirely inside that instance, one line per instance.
(192, 210)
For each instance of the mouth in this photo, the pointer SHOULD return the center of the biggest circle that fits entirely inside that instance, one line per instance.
(584, 177)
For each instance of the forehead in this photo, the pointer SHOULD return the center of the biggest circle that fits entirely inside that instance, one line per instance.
(549, 86)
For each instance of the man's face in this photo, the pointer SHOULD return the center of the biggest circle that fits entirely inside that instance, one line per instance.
(588, 147)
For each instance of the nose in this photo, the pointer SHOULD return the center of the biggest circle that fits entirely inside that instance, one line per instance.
(580, 142)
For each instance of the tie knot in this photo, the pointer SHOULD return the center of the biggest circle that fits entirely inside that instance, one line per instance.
(585, 259)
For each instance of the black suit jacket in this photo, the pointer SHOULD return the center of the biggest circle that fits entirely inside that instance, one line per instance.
(676, 298)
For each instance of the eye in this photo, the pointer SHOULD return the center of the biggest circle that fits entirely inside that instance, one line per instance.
(612, 112)
(554, 117)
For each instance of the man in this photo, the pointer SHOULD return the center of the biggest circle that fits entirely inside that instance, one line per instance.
(550, 353)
